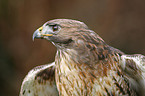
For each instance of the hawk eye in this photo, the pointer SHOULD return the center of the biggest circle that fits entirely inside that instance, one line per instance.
(55, 27)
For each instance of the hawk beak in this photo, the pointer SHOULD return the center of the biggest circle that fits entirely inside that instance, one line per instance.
(40, 34)
(36, 34)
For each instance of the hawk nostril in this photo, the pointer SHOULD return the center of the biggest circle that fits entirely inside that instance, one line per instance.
(40, 29)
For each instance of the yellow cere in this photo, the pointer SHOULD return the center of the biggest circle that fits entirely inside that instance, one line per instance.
(40, 29)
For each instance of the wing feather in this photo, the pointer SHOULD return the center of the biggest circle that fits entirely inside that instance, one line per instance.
(40, 81)
(134, 69)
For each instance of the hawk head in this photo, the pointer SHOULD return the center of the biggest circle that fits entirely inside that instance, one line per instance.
(66, 33)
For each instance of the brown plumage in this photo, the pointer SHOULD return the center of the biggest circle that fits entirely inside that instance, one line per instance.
(87, 66)
(40, 81)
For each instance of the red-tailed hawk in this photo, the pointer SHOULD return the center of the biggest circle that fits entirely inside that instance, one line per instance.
(86, 66)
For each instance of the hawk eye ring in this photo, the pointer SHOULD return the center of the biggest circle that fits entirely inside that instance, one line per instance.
(55, 27)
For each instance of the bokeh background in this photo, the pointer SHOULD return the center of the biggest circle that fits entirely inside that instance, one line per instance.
(121, 23)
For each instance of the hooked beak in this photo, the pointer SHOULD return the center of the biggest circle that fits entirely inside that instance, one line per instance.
(36, 34)
(39, 34)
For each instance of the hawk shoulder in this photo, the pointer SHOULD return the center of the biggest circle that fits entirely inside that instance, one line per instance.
(40, 81)
(134, 69)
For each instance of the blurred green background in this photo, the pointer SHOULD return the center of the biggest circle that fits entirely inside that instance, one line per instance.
(121, 23)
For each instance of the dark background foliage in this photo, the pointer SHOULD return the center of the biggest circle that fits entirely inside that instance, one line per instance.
(121, 23)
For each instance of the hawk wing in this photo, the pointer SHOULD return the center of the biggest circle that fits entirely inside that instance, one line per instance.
(40, 81)
(134, 69)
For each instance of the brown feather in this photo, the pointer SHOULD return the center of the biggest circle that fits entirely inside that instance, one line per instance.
(87, 66)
